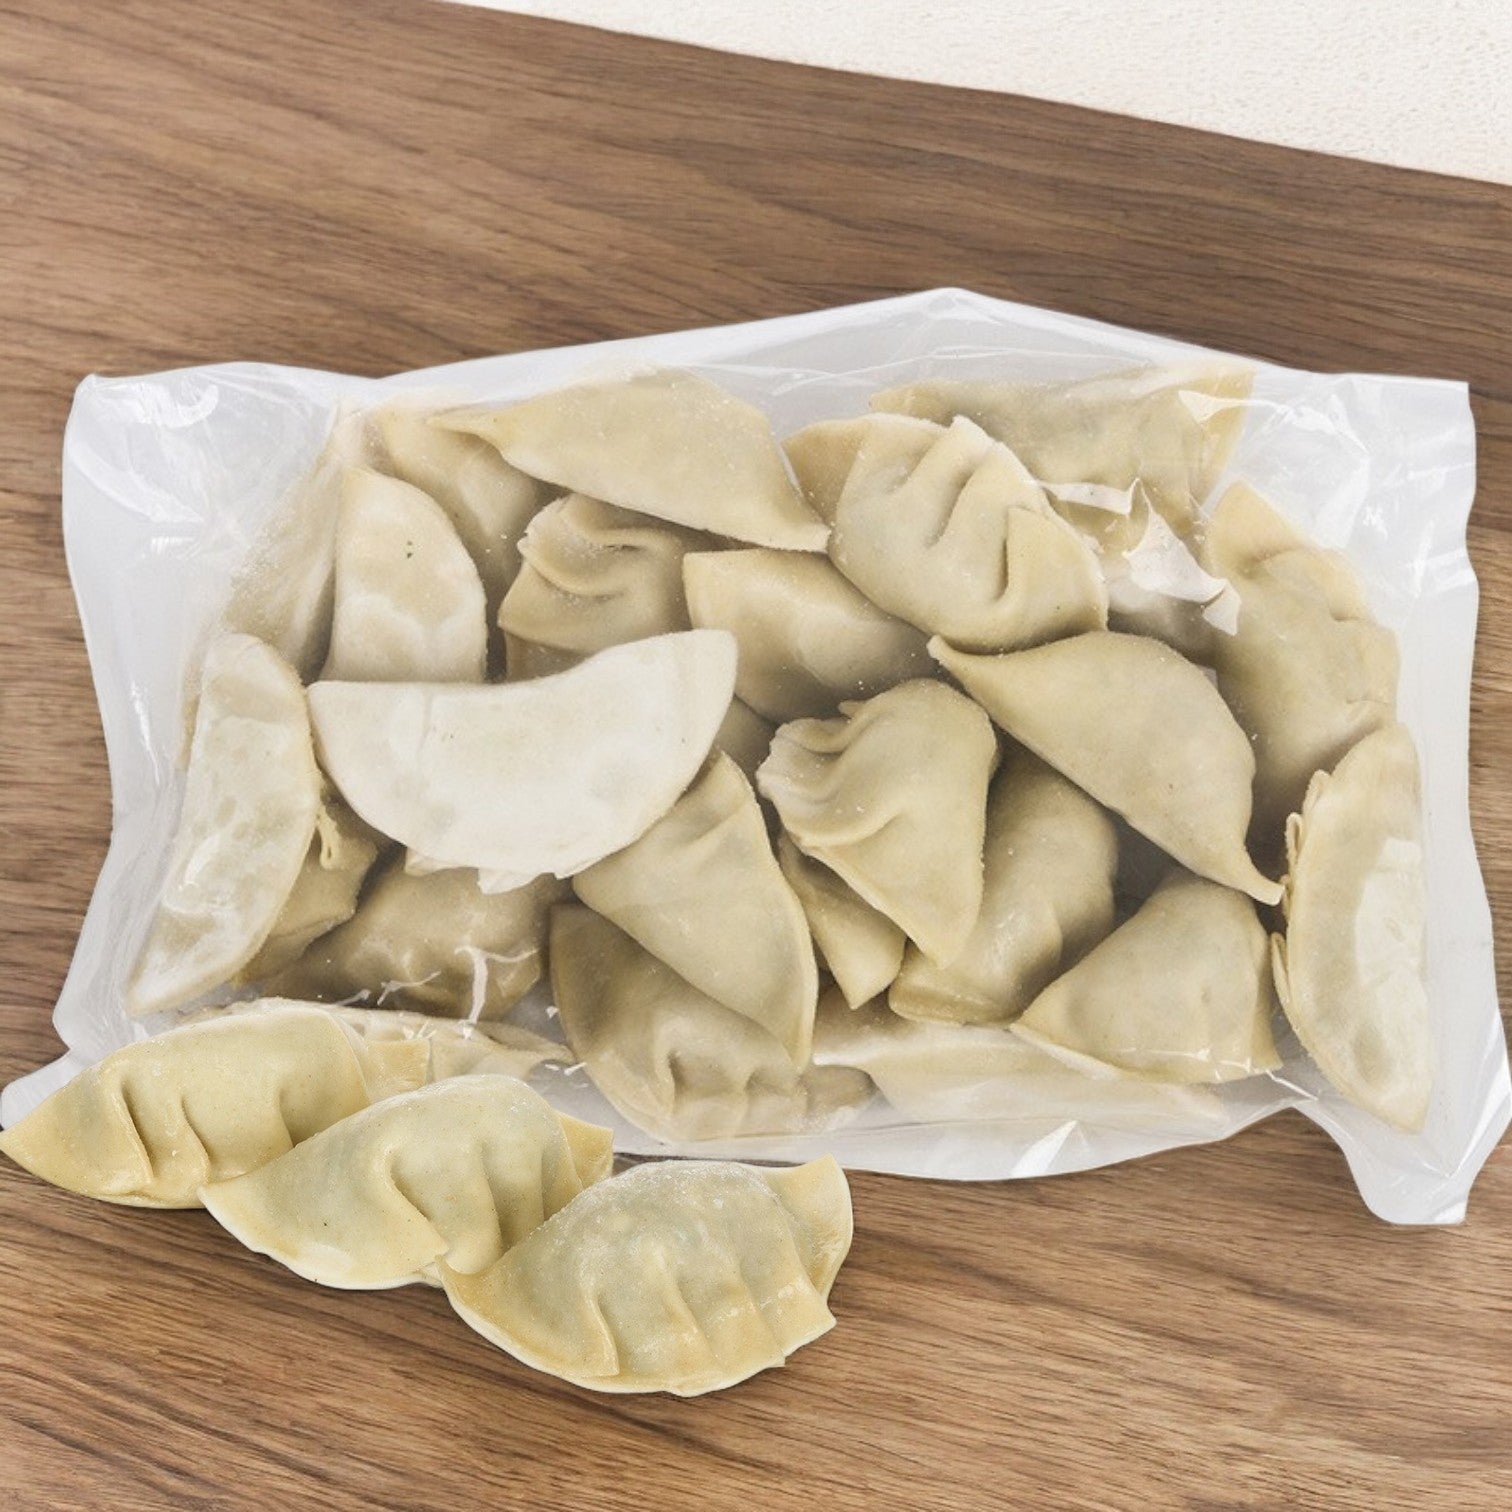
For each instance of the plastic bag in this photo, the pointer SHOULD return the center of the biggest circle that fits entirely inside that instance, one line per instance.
(168, 479)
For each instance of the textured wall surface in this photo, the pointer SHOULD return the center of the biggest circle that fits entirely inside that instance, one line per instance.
(1419, 83)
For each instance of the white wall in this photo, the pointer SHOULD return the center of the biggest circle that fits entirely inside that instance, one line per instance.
(1419, 83)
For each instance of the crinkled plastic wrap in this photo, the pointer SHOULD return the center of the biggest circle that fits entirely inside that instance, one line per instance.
(168, 480)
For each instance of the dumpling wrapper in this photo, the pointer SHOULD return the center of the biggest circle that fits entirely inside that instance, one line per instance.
(1170, 429)
(409, 604)
(808, 639)
(155, 1121)
(668, 444)
(283, 595)
(528, 778)
(1142, 730)
(862, 948)
(594, 576)
(488, 502)
(251, 796)
(702, 891)
(1050, 860)
(1349, 969)
(673, 1061)
(893, 796)
(433, 942)
(822, 455)
(1179, 993)
(946, 529)
(325, 893)
(456, 1047)
(934, 1072)
(458, 1171)
(676, 1276)
(1306, 670)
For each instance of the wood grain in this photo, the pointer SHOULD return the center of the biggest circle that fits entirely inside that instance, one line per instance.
(378, 186)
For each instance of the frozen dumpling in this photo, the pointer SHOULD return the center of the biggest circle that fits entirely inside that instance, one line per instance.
(1306, 670)
(862, 948)
(944, 528)
(251, 797)
(283, 594)
(808, 640)
(434, 942)
(325, 893)
(154, 1122)
(676, 1063)
(528, 778)
(458, 1171)
(677, 1276)
(702, 891)
(1350, 967)
(1170, 429)
(409, 604)
(822, 455)
(596, 576)
(454, 1047)
(666, 443)
(1051, 855)
(893, 796)
(934, 1072)
(1181, 992)
(1142, 730)
(488, 502)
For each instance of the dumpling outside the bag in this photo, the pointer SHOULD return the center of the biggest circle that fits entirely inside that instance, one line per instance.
(456, 1171)
(157, 1120)
(677, 1276)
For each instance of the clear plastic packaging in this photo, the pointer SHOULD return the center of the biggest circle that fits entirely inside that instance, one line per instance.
(168, 480)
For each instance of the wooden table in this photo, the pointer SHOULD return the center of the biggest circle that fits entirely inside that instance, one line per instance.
(385, 185)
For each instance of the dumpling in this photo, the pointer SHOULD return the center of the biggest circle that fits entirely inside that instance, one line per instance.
(488, 502)
(702, 891)
(745, 737)
(668, 444)
(528, 778)
(1142, 730)
(154, 1122)
(1350, 967)
(596, 576)
(673, 1061)
(1170, 429)
(1050, 859)
(862, 948)
(893, 796)
(325, 893)
(1181, 992)
(409, 603)
(933, 1072)
(1306, 670)
(676, 1276)
(822, 455)
(250, 800)
(434, 942)
(283, 594)
(946, 529)
(458, 1171)
(807, 638)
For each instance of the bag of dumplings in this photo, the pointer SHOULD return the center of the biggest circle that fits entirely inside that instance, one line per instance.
(1008, 633)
